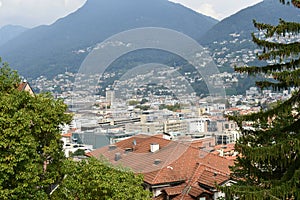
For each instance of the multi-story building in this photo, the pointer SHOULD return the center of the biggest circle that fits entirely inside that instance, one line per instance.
(179, 126)
(227, 137)
(146, 127)
(197, 125)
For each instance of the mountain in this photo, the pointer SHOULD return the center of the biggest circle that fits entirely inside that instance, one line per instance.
(268, 11)
(230, 41)
(9, 32)
(47, 50)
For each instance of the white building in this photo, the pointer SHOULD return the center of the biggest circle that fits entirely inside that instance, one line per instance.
(197, 125)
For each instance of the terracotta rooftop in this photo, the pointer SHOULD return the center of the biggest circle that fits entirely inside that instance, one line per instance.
(183, 196)
(171, 191)
(210, 178)
(186, 192)
(141, 143)
(196, 191)
(226, 148)
(233, 109)
(183, 191)
(68, 135)
(22, 86)
(160, 197)
(173, 162)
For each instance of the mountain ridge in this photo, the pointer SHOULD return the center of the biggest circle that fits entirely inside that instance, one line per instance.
(267, 11)
(9, 32)
(230, 41)
(48, 49)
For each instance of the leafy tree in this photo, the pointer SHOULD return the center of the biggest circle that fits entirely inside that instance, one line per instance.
(144, 101)
(32, 162)
(269, 164)
(173, 108)
(95, 180)
(143, 107)
(78, 152)
(31, 156)
(133, 103)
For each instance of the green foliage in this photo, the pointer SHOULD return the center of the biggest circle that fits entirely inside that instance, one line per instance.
(9, 79)
(139, 104)
(143, 107)
(173, 108)
(32, 161)
(29, 138)
(78, 152)
(93, 179)
(144, 101)
(133, 103)
(269, 165)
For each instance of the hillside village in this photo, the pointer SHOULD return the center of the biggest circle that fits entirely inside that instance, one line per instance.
(164, 122)
(140, 128)
(135, 120)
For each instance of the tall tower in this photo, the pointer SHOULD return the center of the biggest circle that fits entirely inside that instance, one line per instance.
(110, 96)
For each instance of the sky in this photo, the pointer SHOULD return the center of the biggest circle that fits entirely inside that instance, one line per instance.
(218, 9)
(31, 13)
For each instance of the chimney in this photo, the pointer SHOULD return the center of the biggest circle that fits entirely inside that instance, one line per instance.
(117, 156)
(154, 147)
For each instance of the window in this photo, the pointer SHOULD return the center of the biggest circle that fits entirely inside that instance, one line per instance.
(226, 126)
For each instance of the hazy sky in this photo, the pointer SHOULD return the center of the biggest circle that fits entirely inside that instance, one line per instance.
(31, 13)
(218, 9)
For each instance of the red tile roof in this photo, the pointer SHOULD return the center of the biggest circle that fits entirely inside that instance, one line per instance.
(183, 196)
(171, 191)
(184, 191)
(159, 197)
(175, 161)
(67, 135)
(197, 191)
(22, 86)
(211, 177)
(226, 148)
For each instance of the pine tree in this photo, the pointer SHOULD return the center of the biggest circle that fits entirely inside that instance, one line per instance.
(269, 163)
